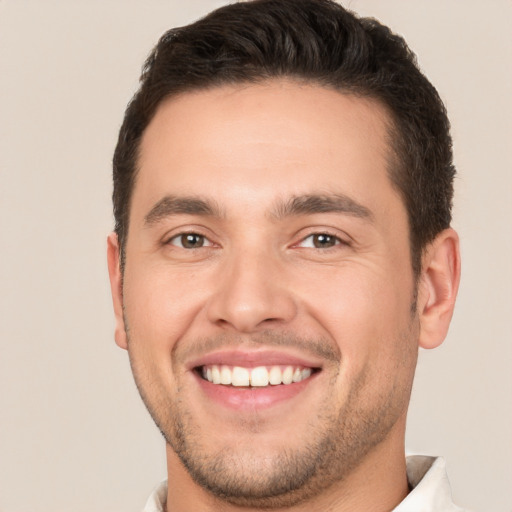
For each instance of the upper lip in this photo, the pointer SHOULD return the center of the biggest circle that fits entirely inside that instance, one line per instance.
(253, 358)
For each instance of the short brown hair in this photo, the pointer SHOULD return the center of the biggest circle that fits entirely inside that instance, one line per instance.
(317, 41)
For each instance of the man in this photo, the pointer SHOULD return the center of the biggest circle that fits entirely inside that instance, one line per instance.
(282, 195)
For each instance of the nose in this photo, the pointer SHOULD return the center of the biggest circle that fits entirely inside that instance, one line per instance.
(252, 294)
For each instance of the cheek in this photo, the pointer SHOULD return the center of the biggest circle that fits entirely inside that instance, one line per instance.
(368, 316)
(161, 305)
(363, 308)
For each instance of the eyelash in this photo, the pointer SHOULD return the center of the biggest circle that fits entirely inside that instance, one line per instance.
(181, 236)
(337, 240)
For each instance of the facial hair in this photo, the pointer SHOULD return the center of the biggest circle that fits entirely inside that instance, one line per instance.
(339, 436)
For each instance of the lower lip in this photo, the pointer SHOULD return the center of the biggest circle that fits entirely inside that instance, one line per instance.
(251, 398)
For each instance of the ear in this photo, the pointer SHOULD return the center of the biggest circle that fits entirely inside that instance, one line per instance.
(438, 287)
(116, 286)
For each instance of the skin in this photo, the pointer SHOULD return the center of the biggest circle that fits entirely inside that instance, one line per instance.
(257, 281)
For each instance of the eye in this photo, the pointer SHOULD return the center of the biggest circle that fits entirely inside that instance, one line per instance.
(320, 241)
(190, 241)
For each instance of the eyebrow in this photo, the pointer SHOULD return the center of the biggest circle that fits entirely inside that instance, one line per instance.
(307, 204)
(321, 203)
(185, 205)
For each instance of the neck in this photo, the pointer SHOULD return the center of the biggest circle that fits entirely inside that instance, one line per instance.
(378, 484)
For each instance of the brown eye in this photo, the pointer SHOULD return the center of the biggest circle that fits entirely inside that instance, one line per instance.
(190, 241)
(322, 240)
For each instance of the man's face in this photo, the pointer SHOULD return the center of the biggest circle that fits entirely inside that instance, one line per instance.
(266, 242)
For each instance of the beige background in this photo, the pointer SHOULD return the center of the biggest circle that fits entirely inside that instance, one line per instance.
(74, 435)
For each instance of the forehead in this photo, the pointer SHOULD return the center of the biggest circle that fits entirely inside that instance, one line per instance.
(275, 138)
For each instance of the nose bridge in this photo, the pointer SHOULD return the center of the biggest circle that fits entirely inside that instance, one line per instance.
(252, 291)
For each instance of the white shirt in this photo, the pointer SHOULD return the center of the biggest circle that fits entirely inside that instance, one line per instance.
(426, 475)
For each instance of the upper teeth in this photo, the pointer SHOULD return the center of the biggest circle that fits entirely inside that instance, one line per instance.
(259, 376)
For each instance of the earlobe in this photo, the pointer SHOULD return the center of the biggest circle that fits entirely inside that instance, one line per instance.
(116, 286)
(438, 288)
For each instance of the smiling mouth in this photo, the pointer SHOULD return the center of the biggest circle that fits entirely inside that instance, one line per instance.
(259, 376)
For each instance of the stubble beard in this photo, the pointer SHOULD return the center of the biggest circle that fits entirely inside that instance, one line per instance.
(337, 442)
